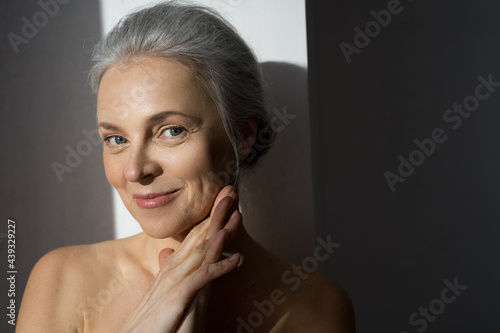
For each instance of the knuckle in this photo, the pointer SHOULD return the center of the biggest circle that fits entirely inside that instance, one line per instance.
(203, 246)
(198, 229)
(211, 271)
(205, 271)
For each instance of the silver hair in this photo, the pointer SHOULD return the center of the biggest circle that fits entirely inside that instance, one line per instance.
(201, 38)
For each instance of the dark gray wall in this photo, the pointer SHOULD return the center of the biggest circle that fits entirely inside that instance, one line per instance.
(44, 107)
(397, 247)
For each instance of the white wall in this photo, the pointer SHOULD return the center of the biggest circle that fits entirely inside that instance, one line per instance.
(276, 30)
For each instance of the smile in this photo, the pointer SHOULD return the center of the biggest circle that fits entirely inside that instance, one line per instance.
(154, 200)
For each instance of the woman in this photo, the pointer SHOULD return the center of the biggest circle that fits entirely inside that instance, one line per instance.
(182, 115)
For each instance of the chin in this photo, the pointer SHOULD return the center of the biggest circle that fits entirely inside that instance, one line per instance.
(163, 227)
(169, 225)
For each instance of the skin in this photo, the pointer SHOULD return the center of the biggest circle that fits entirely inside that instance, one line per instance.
(194, 268)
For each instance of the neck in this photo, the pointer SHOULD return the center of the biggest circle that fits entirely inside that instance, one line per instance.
(150, 248)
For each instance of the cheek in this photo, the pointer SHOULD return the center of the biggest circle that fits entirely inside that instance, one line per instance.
(201, 167)
(202, 158)
(113, 170)
(196, 166)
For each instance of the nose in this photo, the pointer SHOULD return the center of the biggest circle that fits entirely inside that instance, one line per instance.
(140, 166)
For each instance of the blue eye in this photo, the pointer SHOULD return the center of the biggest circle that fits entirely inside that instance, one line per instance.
(173, 131)
(117, 140)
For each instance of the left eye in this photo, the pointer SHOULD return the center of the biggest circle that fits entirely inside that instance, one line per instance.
(173, 131)
(117, 140)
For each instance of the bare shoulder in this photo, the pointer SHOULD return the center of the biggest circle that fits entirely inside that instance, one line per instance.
(298, 300)
(53, 300)
(320, 305)
(50, 293)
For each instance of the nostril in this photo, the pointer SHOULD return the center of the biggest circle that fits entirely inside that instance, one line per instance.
(146, 180)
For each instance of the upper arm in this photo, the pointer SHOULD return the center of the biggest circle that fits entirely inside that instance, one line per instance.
(50, 300)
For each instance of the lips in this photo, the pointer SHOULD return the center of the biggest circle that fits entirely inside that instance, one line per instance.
(153, 200)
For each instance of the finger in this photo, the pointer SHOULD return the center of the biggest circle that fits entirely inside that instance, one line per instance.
(227, 191)
(216, 245)
(209, 251)
(201, 236)
(210, 272)
(233, 226)
(186, 259)
(221, 215)
(197, 234)
(164, 254)
(220, 210)
(203, 231)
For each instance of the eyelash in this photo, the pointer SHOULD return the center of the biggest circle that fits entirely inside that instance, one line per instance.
(108, 138)
(173, 127)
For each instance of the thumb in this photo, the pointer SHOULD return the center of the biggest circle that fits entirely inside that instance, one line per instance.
(164, 254)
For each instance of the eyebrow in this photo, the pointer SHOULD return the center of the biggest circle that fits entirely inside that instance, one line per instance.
(152, 120)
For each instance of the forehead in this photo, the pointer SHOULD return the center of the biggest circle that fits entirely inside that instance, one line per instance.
(144, 86)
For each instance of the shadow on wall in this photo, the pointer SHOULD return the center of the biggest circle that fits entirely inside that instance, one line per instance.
(47, 112)
(277, 196)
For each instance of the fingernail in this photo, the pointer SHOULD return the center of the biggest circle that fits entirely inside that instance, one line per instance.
(233, 215)
(234, 257)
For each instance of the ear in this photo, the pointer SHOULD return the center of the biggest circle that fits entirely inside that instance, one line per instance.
(249, 134)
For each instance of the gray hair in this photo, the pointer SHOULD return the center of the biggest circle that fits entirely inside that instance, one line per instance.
(201, 38)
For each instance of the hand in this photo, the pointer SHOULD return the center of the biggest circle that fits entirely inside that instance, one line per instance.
(194, 318)
(177, 299)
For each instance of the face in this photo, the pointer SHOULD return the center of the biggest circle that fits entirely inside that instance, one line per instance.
(163, 143)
